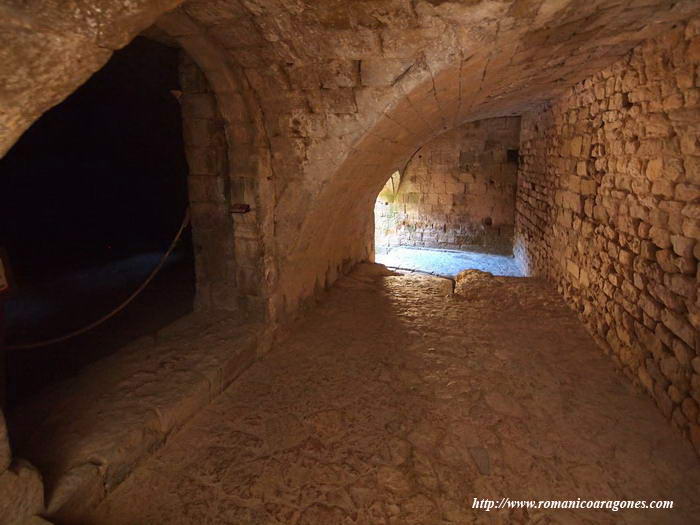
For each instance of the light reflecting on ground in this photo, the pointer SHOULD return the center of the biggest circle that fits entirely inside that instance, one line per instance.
(448, 262)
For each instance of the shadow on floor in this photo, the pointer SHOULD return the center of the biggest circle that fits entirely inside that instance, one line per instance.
(46, 308)
(399, 403)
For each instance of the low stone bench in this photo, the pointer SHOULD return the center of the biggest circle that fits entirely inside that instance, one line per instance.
(88, 433)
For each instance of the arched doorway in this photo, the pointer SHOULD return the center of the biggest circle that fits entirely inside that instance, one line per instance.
(92, 196)
(452, 207)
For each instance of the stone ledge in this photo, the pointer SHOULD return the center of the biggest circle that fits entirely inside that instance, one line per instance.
(88, 433)
(21, 494)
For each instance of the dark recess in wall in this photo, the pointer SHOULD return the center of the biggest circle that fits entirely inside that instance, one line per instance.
(90, 197)
(102, 172)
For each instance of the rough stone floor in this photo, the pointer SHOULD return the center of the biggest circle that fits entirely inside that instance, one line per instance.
(448, 262)
(397, 403)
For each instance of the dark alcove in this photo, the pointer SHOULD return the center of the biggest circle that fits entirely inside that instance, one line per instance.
(90, 198)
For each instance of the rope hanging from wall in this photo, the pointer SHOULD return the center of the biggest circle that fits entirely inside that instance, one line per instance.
(124, 304)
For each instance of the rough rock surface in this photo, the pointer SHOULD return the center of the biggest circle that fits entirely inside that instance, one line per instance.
(396, 404)
(472, 283)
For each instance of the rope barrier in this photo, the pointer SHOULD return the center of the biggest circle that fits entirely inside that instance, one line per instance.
(154, 272)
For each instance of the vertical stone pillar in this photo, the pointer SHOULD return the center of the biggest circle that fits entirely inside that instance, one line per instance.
(206, 151)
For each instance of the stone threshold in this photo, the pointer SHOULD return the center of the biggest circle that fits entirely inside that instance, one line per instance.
(88, 433)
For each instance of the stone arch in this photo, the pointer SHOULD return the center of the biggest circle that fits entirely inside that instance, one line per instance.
(49, 55)
(234, 249)
(472, 63)
(50, 50)
(342, 227)
(444, 88)
(457, 192)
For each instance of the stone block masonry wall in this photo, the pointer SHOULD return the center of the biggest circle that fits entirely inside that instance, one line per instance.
(608, 208)
(206, 149)
(228, 247)
(458, 191)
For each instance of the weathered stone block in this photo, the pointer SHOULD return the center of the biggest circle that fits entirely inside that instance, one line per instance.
(692, 169)
(663, 401)
(340, 74)
(377, 72)
(683, 246)
(692, 209)
(663, 188)
(666, 261)
(679, 326)
(341, 100)
(660, 237)
(682, 285)
(691, 228)
(199, 105)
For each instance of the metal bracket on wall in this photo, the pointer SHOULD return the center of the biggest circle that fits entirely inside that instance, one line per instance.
(240, 208)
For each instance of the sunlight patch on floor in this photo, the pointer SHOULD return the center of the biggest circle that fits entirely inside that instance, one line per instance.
(448, 262)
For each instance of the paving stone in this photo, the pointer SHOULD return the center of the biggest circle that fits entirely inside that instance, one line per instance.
(348, 420)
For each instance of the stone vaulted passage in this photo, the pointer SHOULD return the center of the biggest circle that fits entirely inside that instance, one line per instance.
(311, 386)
